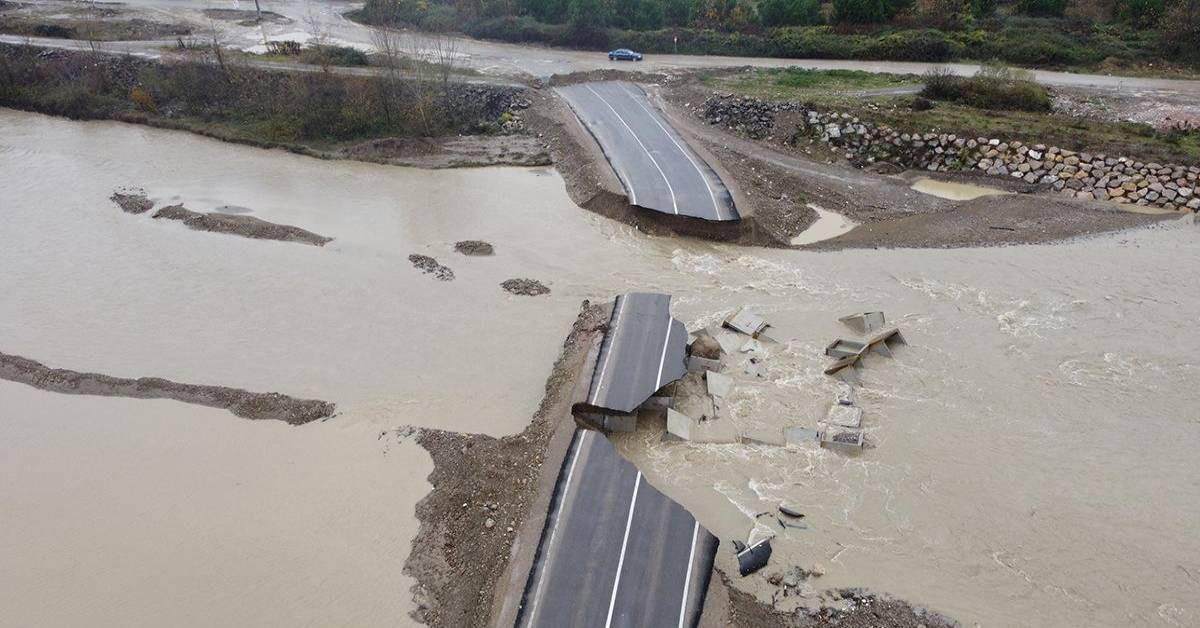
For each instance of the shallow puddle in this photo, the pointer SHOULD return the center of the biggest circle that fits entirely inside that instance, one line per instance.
(954, 191)
(828, 225)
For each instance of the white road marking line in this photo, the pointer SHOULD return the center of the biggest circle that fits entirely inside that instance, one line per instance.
(612, 329)
(621, 562)
(663, 360)
(686, 153)
(687, 581)
(674, 203)
(537, 595)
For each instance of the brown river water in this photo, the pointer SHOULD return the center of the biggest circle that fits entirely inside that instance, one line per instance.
(1033, 450)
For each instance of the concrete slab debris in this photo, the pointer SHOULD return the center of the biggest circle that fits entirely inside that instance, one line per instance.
(729, 341)
(747, 322)
(679, 424)
(697, 364)
(844, 416)
(886, 340)
(754, 557)
(865, 322)
(791, 512)
(774, 438)
(752, 346)
(719, 385)
(845, 395)
(847, 439)
(797, 435)
(842, 348)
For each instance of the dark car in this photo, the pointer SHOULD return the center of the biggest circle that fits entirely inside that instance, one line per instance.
(624, 54)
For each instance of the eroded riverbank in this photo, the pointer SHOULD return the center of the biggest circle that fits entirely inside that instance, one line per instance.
(1006, 484)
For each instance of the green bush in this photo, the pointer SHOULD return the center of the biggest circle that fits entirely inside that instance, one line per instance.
(987, 90)
(860, 11)
(1041, 8)
(1141, 13)
(790, 12)
(334, 55)
(920, 45)
(1038, 53)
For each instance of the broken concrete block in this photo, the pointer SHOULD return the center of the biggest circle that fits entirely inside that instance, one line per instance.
(847, 439)
(844, 416)
(752, 346)
(679, 424)
(747, 322)
(845, 395)
(729, 341)
(718, 385)
(705, 347)
(865, 322)
(697, 364)
(842, 348)
(754, 368)
(773, 438)
(657, 404)
(797, 435)
(755, 557)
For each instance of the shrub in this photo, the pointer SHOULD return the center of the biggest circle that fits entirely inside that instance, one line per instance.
(990, 89)
(790, 12)
(919, 45)
(860, 11)
(1038, 53)
(1042, 8)
(142, 100)
(335, 55)
(1141, 13)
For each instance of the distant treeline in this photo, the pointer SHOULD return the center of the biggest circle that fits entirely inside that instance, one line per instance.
(1045, 33)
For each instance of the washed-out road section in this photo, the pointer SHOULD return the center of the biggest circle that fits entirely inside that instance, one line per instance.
(615, 551)
(656, 166)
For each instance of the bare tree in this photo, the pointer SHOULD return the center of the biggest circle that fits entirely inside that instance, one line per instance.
(318, 30)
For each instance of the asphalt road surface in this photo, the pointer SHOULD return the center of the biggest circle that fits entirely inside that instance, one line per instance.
(615, 552)
(643, 350)
(656, 166)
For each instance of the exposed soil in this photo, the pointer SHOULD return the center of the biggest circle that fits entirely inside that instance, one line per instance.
(451, 152)
(430, 266)
(525, 287)
(249, 405)
(245, 17)
(135, 29)
(777, 182)
(132, 201)
(474, 247)
(858, 609)
(245, 226)
(458, 557)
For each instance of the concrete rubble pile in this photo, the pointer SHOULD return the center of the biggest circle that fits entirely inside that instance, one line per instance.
(1080, 174)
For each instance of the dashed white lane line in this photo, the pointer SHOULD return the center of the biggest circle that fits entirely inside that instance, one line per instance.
(612, 602)
(674, 202)
(687, 580)
(686, 152)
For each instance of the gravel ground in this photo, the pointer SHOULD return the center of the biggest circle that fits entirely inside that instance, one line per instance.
(483, 488)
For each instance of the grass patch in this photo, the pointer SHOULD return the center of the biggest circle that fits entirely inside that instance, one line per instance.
(804, 83)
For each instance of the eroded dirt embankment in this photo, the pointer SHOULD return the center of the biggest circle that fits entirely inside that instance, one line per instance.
(483, 489)
(249, 405)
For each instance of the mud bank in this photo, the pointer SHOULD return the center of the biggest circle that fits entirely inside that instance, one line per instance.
(431, 266)
(483, 490)
(245, 226)
(243, 403)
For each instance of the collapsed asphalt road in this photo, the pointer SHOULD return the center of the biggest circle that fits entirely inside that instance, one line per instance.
(615, 551)
(655, 165)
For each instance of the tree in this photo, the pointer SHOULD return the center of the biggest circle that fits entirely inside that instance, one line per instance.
(677, 12)
(860, 11)
(1042, 8)
(650, 16)
(588, 19)
(790, 12)
(1141, 13)
(1181, 29)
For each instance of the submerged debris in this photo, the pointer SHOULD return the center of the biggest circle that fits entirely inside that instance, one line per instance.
(747, 322)
(132, 200)
(753, 558)
(431, 266)
(525, 287)
(474, 247)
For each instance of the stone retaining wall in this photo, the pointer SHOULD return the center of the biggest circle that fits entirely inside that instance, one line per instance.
(1079, 174)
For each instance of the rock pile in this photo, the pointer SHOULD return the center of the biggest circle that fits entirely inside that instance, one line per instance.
(1079, 174)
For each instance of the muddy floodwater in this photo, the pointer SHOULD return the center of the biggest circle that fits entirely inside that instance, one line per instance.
(1032, 457)
(953, 190)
